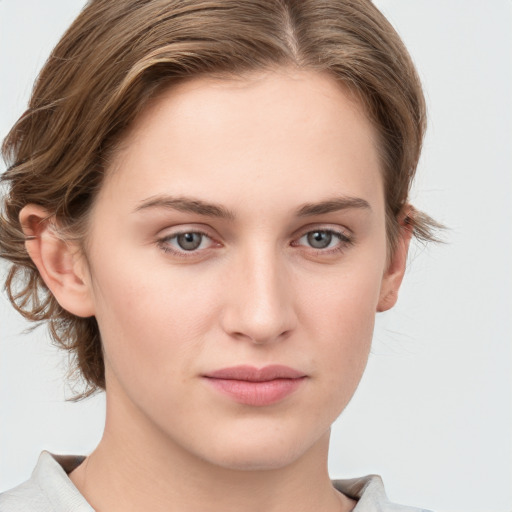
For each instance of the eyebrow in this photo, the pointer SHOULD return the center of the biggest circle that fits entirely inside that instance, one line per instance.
(200, 207)
(333, 205)
(187, 205)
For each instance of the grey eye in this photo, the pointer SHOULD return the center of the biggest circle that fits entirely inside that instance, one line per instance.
(189, 241)
(319, 239)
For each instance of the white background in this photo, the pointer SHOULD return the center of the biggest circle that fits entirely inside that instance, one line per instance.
(433, 414)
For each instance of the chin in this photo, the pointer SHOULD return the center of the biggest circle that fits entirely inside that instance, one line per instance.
(261, 459)
(260, 452)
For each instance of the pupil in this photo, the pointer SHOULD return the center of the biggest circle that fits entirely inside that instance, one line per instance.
(319, 239)
(189, 241)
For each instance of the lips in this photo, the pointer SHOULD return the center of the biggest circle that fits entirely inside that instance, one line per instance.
(256, 386)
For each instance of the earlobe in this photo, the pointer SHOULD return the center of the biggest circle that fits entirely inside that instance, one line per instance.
(60, 263)
(395, 271)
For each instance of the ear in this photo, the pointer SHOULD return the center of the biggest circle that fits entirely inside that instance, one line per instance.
(60, 263)
(394, 273)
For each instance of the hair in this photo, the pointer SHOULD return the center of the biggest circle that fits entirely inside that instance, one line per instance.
(117, 56)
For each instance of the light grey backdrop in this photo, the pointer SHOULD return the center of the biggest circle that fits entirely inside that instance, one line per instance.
(433, 414)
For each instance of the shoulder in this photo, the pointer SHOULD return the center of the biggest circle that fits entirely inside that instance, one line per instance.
(25, 497)
(370, 495)
(49, 489)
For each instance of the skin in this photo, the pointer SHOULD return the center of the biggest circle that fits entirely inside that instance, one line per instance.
(262, 149)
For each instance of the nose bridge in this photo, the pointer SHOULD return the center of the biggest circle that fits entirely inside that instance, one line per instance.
(260, 306)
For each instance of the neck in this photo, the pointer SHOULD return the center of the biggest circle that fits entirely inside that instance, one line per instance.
(137, 467)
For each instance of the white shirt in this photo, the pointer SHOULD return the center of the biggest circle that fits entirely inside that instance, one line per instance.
(49, 489)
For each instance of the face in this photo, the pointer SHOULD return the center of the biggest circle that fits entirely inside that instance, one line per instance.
(236, 259)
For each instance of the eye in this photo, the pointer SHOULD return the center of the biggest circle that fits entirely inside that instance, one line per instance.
(186, 242)
(324, 239)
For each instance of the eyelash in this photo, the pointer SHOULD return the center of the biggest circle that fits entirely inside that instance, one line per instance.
(344, 241)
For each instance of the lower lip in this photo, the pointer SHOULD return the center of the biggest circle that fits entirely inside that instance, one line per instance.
(256, 393)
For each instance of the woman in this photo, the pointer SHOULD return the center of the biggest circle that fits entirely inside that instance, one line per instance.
(208, 201)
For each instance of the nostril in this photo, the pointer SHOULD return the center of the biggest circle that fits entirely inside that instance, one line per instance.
(262, 335)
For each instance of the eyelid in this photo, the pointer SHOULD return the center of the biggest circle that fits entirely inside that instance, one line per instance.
(180, 229)
(330, 228)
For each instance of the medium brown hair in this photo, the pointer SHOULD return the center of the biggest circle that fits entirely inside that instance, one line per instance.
(117, 55)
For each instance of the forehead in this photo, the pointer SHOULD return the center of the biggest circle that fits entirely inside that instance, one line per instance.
(277, 134)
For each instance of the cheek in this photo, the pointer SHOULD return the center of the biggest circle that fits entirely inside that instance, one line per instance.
(151, 321)
(344, 300)
(339, 314)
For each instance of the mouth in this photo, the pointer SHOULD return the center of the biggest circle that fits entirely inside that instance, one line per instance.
(256, 386)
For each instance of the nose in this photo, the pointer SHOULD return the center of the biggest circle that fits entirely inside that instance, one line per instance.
(259, 306)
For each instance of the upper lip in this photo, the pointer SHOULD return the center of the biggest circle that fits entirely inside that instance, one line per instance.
(252, 374)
